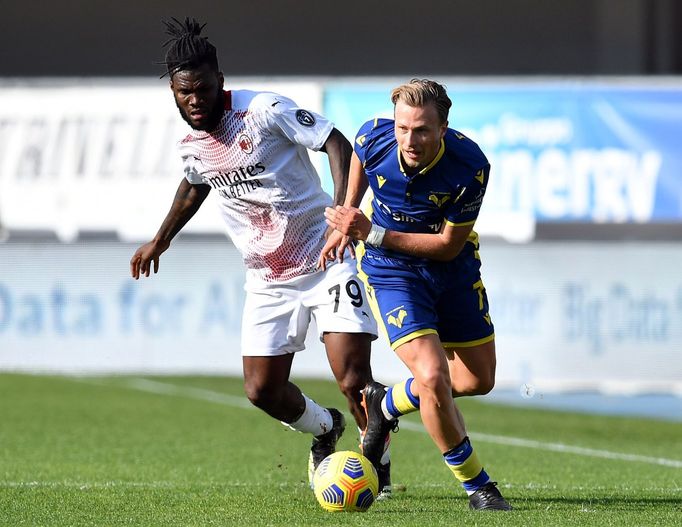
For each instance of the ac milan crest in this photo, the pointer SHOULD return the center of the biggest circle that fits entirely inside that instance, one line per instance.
(245, 143)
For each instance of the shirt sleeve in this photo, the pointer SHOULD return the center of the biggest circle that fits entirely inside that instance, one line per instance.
(191, 166)
(467, 200)
(298, 125)
(361, 141)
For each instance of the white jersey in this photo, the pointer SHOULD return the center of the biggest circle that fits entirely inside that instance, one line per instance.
(270, 195)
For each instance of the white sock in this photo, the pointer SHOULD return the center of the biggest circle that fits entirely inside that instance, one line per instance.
(385, 411)
(315, 419)
(386, 457)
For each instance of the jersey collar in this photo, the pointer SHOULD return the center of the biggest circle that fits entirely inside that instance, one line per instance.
(428, 167)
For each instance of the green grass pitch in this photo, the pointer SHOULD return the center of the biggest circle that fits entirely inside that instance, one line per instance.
(185, 451)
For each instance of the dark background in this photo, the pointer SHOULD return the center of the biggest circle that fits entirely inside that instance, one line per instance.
(350, 37)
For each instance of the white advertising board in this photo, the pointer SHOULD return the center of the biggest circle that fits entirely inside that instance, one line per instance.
(568, 316)
(101, 156)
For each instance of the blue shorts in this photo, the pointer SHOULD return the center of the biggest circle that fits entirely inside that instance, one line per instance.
(447, 299)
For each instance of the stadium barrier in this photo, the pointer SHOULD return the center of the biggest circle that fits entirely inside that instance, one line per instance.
(100, 155)
(575, 316)
(97, 157)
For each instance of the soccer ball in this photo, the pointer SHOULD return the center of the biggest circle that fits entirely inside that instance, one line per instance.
(345, 481)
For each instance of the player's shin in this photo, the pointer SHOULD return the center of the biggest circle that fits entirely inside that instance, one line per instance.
(464, 464)
(483, 493)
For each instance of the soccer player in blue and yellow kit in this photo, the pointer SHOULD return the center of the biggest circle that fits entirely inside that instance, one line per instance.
(420, 263)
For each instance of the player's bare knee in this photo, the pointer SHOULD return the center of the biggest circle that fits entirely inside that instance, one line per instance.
(260, 395)
(474, 386)
(432, 383)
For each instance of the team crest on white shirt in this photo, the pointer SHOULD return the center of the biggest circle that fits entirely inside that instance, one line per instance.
(245, 143)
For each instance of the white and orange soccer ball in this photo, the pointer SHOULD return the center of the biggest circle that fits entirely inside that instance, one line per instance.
(345, 481)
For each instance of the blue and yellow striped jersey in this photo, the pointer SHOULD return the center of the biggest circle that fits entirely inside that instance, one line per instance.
(450, 188)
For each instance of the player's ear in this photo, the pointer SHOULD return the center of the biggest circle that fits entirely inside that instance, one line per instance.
(443, 129)
(221, 79)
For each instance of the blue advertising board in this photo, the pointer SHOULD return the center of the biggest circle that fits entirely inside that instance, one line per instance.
(560, 151)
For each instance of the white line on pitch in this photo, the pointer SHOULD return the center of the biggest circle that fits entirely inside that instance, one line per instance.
(164, 388)
(139, 484)
(556, 447)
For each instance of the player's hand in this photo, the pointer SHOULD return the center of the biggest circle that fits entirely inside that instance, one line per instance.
(150, 252)
(335, 246)
(349, 221)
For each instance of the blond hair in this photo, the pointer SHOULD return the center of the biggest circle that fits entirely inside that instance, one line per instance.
(420, 92)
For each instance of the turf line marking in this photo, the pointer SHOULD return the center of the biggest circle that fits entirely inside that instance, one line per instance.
(164, 388)
(138, 484)
(557, 447)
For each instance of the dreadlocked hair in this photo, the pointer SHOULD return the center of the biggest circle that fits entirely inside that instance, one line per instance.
(186, 48)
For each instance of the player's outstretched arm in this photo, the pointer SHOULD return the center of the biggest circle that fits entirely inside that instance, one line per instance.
(443, 246)
(186, 203)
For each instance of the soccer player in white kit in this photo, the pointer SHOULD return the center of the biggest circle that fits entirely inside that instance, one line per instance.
(251, 148)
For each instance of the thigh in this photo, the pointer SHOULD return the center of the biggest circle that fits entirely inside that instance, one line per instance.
(269, 373)
(472, 369)
(403, 304)
(274, 321)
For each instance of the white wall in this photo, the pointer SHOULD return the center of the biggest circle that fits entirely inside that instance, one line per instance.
(567, 315)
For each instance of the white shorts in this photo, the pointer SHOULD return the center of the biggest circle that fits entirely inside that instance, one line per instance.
(276, 316)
